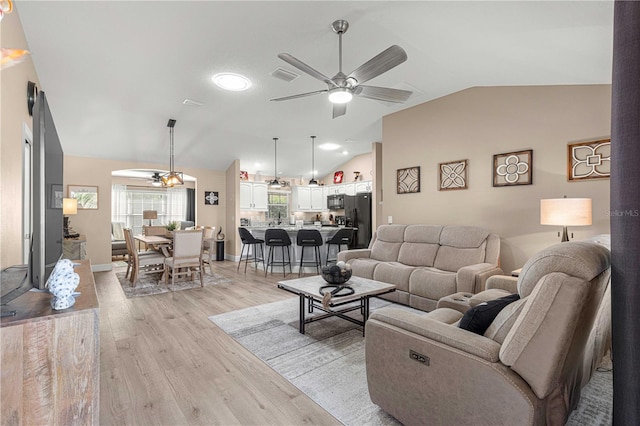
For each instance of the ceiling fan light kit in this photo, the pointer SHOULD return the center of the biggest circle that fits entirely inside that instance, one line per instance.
(340, 95)
(173, 178)
(341, 88)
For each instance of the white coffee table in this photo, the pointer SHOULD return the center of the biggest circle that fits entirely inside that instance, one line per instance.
(308, 289)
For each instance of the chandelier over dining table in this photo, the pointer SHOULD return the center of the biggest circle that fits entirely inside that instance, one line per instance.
(169, 180)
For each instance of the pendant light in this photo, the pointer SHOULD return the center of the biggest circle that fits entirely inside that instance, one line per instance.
(275, 183)
(313, 181)
(169, 180)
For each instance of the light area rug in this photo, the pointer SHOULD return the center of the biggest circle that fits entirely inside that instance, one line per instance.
(150, 284)
(327, 362)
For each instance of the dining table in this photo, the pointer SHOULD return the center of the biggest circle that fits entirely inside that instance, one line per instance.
(157, 242)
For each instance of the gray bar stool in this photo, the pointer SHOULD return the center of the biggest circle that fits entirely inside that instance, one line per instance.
(248, 239)
(277, 238)
(341, 238)
(310, 238)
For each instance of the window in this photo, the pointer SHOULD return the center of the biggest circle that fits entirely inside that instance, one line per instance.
(127, 205)
(278, 205)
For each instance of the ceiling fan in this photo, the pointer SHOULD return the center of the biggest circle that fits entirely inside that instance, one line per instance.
(155, 179)
(341, 88)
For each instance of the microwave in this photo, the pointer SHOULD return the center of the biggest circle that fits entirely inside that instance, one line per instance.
(335, 201)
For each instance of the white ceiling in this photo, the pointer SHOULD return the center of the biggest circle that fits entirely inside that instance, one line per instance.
(115, 72)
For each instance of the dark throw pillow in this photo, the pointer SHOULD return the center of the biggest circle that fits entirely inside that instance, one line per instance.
(478, 319)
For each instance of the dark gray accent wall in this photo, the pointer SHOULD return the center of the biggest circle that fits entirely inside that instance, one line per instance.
(625, 213)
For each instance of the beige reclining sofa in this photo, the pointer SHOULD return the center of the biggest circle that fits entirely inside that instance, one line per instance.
(427, 262)
(528, 367)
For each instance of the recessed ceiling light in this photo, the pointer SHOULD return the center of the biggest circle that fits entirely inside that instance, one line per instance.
(329, 146)
(230, 81)
(345, 152)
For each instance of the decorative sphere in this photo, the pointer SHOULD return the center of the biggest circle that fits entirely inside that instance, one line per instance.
(334, 275)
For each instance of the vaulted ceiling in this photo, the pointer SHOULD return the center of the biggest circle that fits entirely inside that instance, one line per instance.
(115, 72)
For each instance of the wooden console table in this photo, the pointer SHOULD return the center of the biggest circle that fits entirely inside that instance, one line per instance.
(50, 360)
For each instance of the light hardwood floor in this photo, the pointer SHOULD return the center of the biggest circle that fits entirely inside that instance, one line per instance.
(162, 362)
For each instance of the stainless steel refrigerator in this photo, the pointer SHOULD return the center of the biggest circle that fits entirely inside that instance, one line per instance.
(357, 209)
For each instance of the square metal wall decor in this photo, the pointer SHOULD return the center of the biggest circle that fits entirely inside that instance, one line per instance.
(513, 168)
(589, 160)
(452, 175)
(408, 180)
(211, 198)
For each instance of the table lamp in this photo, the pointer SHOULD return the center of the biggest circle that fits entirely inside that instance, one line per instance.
(149, 214)
(69, 207)
(565, 212)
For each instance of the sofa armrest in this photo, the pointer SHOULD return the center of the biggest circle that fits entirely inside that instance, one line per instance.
(503, 282)
(472, 278)
(440, 332)
(346, 255)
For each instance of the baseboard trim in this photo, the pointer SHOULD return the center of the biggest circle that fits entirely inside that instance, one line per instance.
(102, 268)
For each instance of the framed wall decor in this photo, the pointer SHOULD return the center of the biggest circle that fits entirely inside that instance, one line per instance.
(56, 196)
(211, 198)
(513, 168)
(338, 177)
(452, 175)
(244, 175)
(408, 180)
(87, 196)
(589, 160)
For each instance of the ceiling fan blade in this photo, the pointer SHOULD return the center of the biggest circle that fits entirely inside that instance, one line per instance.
(306, 68)
(301, 95)
(382, 62)
(339, 109)
(383, 93)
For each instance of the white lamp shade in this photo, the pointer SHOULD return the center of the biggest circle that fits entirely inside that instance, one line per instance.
(69, 206)
(565, 211)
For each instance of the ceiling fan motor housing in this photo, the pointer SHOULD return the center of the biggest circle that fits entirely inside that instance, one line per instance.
(340, 26)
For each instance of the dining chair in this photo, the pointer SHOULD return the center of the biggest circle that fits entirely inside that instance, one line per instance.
(187, 256)
(208, 245)
(140, 262)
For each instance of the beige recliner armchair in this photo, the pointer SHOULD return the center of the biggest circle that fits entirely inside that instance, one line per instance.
(527, 368)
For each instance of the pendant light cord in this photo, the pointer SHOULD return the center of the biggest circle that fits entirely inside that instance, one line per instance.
(313, 158)
(275, 158)
(171, 149)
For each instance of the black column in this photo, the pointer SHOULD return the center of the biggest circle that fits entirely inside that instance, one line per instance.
(625, 213)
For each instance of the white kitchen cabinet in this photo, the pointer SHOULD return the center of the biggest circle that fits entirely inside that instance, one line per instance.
(333, 189)
(349, 188)
(301, 196)
(254, 196)
(325, 194)
(318, 202)
(364, 186)
(308, 199)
